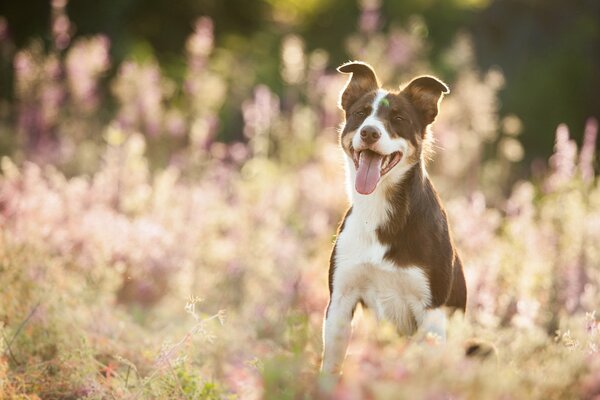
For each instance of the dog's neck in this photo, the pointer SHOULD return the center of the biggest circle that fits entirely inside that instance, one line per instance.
(391, 197)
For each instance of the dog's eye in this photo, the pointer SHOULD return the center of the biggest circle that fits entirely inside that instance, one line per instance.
(360, 113)
(399, 117)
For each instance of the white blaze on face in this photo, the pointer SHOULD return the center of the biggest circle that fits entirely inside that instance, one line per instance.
(372, 119)
(371, 163)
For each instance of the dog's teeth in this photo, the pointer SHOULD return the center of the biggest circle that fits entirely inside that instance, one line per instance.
(386, 162)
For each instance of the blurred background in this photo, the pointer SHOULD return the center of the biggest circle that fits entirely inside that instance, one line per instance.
(548, 52)
(171, 184)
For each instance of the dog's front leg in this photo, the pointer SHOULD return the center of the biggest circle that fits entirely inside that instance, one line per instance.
(337, 329)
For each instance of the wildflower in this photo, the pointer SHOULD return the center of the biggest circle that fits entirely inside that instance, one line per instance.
(586, 155)
(562, 161)
(86, 61)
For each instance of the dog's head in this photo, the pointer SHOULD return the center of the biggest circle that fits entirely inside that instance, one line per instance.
(385, 130)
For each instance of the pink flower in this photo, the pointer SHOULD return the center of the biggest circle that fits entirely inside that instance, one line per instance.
(586, 155)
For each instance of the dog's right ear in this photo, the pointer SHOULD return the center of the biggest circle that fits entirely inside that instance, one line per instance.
(363, 80)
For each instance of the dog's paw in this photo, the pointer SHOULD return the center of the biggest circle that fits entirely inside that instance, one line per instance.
(434, 339)
(481, 349)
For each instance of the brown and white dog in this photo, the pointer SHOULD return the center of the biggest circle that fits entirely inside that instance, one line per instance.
(394, 252)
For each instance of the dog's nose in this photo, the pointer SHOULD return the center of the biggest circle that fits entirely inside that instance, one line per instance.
(369, 134)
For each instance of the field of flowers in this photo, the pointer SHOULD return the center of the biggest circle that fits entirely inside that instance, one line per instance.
(144, 257)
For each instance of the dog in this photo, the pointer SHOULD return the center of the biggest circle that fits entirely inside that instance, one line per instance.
(394, 252)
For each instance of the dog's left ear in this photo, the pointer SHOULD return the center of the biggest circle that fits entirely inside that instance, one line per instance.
(425, 92)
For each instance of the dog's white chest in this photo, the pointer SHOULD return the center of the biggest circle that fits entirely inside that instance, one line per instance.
(358, 243)
(398, 294)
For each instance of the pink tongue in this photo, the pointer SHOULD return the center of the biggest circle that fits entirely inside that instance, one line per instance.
(368, 174)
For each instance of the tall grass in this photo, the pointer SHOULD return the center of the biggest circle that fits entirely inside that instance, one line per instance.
(144, 255)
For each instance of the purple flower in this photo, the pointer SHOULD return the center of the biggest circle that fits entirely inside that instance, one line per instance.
(369, 20)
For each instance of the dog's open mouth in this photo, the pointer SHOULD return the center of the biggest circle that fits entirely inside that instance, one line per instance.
(370, 167)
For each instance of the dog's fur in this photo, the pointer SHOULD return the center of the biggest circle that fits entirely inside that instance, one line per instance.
(394, 252)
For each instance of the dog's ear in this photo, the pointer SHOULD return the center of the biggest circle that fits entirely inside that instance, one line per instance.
(425, 92)
(363, 80)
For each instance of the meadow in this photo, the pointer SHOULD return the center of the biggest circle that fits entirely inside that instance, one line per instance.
(144, 257)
